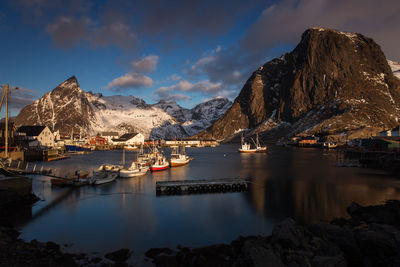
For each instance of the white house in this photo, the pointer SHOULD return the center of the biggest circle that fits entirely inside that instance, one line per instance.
(37, 135)
(109, 136)
(392, 132)
(130, 139)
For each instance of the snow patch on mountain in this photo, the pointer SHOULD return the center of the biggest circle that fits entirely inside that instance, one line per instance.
(68, 108)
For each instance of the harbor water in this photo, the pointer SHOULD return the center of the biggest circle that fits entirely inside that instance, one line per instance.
(286, 182)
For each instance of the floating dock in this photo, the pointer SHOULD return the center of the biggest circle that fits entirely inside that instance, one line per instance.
(201, 186)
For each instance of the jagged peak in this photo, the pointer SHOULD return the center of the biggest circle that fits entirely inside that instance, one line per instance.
(354, 37)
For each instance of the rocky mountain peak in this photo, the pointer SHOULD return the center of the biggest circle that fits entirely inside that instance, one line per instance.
(333, 84)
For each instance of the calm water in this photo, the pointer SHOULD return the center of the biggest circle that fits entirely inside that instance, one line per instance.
(287, 182)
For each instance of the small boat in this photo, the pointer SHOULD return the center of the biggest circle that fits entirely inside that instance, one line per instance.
(160, 163)
(178, 158)
(246, 147)
(69, 181)
(110, 168)
(136, 169)
(102, 177)
(329, 145)
(130, 148)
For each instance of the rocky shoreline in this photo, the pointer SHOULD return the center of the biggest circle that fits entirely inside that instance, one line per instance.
(371, 237)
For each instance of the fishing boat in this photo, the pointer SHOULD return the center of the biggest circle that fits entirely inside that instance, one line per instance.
(160, 163)
(77, 148)
(178, 158)
(136, 169)
(246, 147)
(110, 168)
(329, 145)
(102, 177)
(130, 148)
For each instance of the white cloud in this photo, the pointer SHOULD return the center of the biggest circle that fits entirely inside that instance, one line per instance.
(130, 80)
(185, 86)
(145, 65)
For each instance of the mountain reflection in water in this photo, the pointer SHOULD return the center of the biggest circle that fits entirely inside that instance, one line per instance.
(286, 182)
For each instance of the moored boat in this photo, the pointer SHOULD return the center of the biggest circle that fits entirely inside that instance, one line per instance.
(178, 158)
(136, 169)
(110, 167)
(329, 145)
(77, 148)
(160, 163)
(102, 177)
(130, 148)
(246, 147)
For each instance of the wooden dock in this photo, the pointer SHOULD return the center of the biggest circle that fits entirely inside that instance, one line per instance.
(201, 186)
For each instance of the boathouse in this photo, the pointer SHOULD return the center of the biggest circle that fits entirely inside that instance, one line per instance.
(35, 135)
(129, 139)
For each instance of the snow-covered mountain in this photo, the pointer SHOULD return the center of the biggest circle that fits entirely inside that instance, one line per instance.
(68, 108)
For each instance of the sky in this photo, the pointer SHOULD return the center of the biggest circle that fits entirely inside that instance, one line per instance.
(187, 51)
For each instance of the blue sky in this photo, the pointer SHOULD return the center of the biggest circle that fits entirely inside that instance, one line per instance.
(188, 51)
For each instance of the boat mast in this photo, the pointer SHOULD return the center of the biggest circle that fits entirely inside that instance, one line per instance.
(5, 95)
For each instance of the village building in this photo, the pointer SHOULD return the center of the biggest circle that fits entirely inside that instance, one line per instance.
(35, 136)
(129, 139)
(392, 132)
(109, 136)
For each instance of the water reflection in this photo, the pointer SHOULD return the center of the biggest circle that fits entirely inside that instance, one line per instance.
(286, 182)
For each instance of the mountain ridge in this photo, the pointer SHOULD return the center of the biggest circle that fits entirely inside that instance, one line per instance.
(334, 84)
(67, 107)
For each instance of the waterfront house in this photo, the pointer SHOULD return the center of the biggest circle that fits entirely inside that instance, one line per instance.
(36, 135)
(109, 136)
(129, 139)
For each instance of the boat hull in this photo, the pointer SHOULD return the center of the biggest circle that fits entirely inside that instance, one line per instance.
(173, 163)
(74, 148)
(128, 173)
(156, 168)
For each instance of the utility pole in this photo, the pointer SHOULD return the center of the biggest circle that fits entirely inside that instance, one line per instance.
(6, 137)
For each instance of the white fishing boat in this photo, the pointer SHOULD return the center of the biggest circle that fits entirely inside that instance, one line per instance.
(110, 168)
(136, 169)
(246, 147)
(130, 148)
(178, 158)
(102, 177)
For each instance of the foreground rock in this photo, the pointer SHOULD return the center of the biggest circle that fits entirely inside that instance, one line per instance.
(371, 237)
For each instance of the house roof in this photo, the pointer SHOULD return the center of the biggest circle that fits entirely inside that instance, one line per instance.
(31, 130)
(109, 134)
(125, 137)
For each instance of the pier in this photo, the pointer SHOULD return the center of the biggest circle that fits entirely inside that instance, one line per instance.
(201, 186)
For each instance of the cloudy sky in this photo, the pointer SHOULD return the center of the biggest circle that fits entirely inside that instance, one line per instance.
(188, 51)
